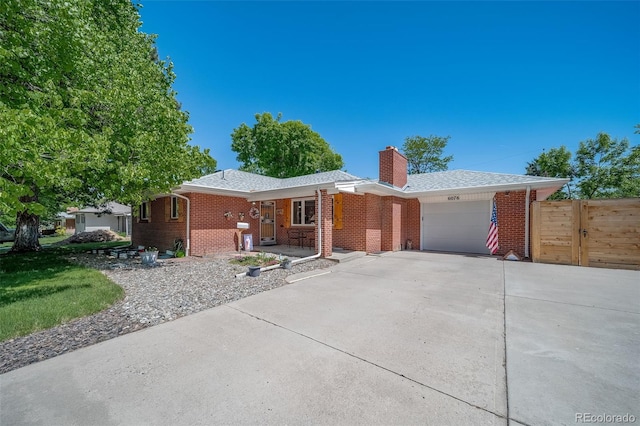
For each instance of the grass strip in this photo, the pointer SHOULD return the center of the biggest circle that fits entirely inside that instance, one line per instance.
(42, 290)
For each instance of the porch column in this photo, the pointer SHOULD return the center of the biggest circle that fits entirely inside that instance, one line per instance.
(326, 224)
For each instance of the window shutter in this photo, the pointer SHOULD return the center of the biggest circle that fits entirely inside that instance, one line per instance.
(337, 211)
(181, 209)
(287, 213)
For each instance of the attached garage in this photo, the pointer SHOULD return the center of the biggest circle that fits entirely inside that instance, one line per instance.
(456, 225)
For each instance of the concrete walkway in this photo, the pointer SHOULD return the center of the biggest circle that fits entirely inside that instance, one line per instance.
(404, 338)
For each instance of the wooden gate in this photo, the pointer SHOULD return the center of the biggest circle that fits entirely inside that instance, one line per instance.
(601, 233)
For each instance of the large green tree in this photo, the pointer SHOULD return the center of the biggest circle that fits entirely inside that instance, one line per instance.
(601, 168)
(554, 163)
(607, 168)
(282, 149)
(87, 111)
(424, 155)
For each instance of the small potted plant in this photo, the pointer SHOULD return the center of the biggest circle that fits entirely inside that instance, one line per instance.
(285, 263)
(228, 215)
(254, 271)
(149, 256)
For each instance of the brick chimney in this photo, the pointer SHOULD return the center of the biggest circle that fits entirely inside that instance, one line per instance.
(393, 167)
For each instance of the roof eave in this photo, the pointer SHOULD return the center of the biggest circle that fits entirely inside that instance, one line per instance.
(380, 189)
(292, 192)
(261, 195)
(384, 190)
(556, 183)
(202, 189)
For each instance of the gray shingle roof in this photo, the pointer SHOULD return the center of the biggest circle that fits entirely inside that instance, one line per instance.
(243, 182)
(113, 207)
(236, 180)
(459, 179)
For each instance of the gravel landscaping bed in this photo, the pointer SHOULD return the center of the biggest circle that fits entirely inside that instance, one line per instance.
(153, 294)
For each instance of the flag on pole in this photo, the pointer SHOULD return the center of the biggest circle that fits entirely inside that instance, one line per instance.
(492, 238)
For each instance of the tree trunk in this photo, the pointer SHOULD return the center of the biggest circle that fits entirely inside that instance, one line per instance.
(27, 232)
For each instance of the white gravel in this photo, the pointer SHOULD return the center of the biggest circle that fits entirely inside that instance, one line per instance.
(153, 295)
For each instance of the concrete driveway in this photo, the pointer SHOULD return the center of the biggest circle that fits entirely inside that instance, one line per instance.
(405, 338)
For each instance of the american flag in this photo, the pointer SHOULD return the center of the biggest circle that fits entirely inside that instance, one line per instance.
(492, 238)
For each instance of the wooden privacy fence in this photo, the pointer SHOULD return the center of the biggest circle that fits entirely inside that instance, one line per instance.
(602, 233)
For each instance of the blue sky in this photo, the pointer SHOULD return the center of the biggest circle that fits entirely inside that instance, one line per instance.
(504, 80)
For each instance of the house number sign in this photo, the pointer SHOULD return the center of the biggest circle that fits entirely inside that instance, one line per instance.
(453, 198)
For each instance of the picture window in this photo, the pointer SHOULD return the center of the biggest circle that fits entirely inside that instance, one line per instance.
(304, 212)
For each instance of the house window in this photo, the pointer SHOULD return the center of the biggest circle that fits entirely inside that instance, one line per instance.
(144, 211)
(174, 207)
(304, 211)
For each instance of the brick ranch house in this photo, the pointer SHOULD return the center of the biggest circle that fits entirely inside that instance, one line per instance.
(443, 211)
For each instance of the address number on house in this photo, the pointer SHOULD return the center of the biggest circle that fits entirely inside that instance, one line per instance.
(453, 198)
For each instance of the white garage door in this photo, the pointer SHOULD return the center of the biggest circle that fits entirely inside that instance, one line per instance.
(460, 226)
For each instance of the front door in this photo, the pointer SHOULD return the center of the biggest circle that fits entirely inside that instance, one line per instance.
(80, 223)
(267, 223)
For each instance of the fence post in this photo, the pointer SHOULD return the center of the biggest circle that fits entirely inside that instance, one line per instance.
(583, 236)
(535, 231)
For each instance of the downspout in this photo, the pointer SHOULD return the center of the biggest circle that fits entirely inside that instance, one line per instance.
(187, 249)
(526, 223)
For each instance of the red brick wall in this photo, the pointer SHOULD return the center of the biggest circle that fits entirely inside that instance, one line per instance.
(281, 231)
(393, 167)
(373, 223)
(211, 232)
(157, 231)
(412, 223)
(511, 210)
(370, 223)
(352, 236)
(393, 212)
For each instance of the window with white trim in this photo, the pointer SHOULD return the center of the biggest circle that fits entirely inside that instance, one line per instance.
(303, 212)
(144, 211)
(174, 207)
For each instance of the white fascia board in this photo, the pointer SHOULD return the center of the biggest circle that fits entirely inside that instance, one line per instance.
(555, 184)
(185, 189)
(294, 192)
(271, 194)
(383, 190)
(349, 187)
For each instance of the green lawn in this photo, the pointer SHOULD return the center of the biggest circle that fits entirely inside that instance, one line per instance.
(42, 290)
(44, 241)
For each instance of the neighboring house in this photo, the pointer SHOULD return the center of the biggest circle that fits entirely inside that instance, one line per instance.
(112, 216)
(66, 220)
(445, 211)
